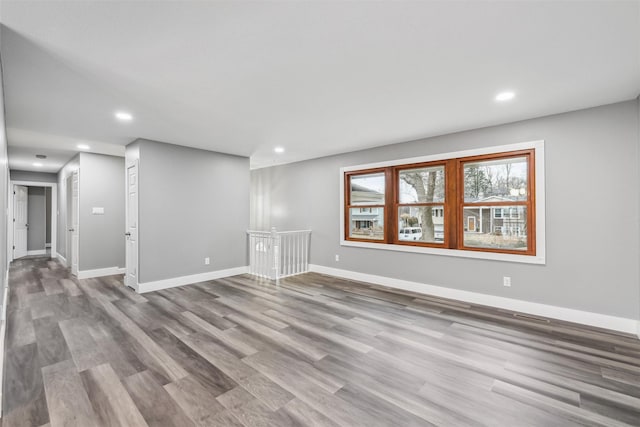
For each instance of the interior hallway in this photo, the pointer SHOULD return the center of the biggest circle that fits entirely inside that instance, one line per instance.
(314, 351)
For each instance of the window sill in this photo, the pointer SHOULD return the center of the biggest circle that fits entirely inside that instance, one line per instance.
(525, 259)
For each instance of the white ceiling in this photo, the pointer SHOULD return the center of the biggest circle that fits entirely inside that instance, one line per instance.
(317, 78)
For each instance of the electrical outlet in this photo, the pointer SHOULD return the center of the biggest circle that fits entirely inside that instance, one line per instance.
(337, 257)
(506, 281)
(207, 261)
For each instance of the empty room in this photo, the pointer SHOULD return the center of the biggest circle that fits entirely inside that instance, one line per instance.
(319, 213)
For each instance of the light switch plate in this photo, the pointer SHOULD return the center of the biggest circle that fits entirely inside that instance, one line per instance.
(97, 211)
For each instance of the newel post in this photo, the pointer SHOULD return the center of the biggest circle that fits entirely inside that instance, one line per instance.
(275, 244)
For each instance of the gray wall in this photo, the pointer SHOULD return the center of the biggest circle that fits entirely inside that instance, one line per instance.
(33, 176)
(101, 184)
(192, 204)
(4, 201)
(101, 236)
(37, 218)
(592, 203)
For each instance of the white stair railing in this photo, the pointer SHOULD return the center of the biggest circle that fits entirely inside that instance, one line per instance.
(276, 254)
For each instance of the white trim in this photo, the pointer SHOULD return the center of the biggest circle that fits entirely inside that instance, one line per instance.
(75, 175)
(449, 155)
(525, 259)
(5, 295)
(99, 272)
(621, 324)
(10, 224)
(539, 258)
(54, 212)
(3, 326)
(136, 164)
(188, 280)
(62, 259)
(37, 252)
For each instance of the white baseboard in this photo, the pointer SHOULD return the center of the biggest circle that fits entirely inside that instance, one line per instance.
(620, 324)
(62, 259)
(187, 280)
(5, 296)
(3, 326)
(99, 272)
(37, 252)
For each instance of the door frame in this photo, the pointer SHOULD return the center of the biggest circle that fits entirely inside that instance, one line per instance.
(17, 189)
(54, 214)
(75, 207)
(128, 165)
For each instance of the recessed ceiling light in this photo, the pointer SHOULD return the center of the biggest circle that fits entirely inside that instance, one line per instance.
(37, 164)
(279, 150)
(124, 116)
(505, 96)
(83, 146)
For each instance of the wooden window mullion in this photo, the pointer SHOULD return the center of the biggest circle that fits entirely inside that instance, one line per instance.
(451, 204)
(389, 211)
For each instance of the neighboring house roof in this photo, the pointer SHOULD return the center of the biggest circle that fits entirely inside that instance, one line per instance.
(360, 194)
(358, 187)
(364, 217)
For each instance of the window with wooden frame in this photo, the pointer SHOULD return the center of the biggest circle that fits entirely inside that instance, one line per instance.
(420, 194)
(498, 191)
(365, 202)
(480, 203)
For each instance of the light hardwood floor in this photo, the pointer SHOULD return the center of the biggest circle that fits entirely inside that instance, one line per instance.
(312, 351)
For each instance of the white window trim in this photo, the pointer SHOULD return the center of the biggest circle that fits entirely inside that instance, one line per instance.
(539, 258)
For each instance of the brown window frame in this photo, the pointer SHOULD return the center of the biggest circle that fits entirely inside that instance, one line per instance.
(453, 204)
(348, 205)
(529, 203)
(396, 204)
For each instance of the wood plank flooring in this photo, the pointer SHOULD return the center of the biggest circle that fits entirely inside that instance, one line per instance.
(312, 351)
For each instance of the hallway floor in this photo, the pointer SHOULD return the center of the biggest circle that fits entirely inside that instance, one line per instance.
(313, 351)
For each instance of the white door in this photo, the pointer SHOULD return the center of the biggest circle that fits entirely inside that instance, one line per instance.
(21, 227)
(68, 221)
(74, 229)
(131, 275)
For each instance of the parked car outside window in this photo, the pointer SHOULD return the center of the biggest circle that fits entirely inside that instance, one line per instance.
(410, 233)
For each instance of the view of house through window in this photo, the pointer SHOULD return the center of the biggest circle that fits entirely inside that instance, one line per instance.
(368, 192)
(495, 203)
(421, 194)
(472, 203)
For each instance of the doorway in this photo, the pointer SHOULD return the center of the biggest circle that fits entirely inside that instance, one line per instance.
(33, 222)
(73, 228)
(131, 270)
